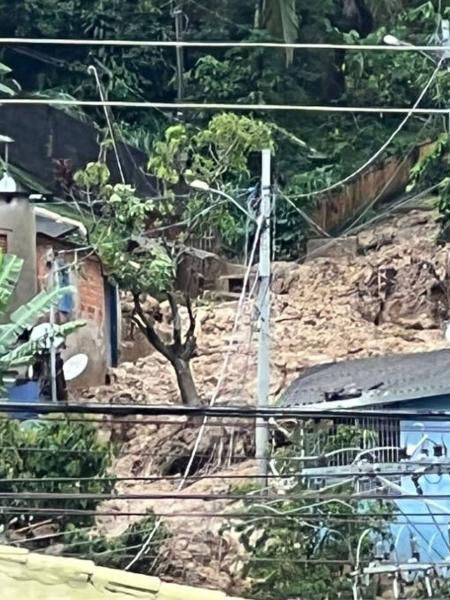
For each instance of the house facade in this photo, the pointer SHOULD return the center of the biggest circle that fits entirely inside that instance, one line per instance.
(42, 241)
(404, 450)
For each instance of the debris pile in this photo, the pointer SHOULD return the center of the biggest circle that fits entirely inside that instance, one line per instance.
(392, 298)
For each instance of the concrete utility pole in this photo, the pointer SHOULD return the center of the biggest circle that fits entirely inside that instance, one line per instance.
(54, 283)
(262, 433)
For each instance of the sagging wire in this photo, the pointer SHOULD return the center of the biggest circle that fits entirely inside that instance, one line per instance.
(215, 393)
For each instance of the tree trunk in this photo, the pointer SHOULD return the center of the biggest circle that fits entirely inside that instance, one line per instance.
(186, 385)
(180, 352)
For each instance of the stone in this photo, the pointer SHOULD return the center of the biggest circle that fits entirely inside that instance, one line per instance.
(391, 299)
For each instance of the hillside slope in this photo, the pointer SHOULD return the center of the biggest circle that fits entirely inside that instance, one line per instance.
(393, 297)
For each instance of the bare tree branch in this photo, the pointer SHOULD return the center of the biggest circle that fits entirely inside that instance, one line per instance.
(176, 322)
(149, 331)
(192, 320)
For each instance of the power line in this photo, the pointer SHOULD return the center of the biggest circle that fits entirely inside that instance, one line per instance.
(220, 106)
(182, 496)
(242, 515)
(386, 144)
(241, 412)
(200, 44)
(217, 389)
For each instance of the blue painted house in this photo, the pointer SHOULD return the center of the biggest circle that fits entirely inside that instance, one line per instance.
(411, 454)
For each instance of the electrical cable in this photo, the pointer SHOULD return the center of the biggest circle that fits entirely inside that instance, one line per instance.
(304, 215)
(201, 44)
(217, 389)
(240, 412)
(392, 208)
(92, 70)
(223, 106)
(354, 518)
(387, 143)
(180, 495)
(352, 226)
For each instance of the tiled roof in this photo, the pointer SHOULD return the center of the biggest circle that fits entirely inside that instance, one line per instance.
(29, 576)
(392, 378)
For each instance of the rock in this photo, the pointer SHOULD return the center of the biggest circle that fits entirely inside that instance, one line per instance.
(392, 299)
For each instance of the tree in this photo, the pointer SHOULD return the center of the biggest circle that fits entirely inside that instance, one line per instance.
(120, 225)
(14, 353)
(127, 231)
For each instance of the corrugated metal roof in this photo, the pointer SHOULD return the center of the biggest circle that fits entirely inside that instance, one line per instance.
(386, 378)
(29, 576)
(52, 228)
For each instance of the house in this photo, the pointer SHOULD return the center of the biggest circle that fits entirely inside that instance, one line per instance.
(403, 453)
(43, 147)
(26, 575)
(41, 238)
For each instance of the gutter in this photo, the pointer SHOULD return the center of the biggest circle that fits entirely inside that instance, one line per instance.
(44, 212)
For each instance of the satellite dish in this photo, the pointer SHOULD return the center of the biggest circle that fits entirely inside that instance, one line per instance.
(74, 366)
(44, 334)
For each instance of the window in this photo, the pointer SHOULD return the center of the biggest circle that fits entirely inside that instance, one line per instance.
(3, 242)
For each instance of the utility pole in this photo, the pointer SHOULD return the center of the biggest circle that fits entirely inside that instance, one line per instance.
(54, 283)
(178, 14)
(262, 433)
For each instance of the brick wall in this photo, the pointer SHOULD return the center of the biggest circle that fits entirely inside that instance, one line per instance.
(89, 305)
(91, 292)
(88, 281)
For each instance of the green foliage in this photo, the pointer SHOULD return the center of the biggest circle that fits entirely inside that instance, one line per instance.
(117, 232)
(10, 269)
(221, 154)
(284, 537)
(114, 552)
(12, 353)
(241, 75)
(219, 151)
(165, 159)
(430, 167)
(53, 448)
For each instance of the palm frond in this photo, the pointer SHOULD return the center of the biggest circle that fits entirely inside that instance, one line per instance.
(10, 269)
(27, 314)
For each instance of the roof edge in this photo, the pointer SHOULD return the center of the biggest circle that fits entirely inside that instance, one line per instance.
(61, 570)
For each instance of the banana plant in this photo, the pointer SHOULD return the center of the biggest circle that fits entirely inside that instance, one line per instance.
(15, 354)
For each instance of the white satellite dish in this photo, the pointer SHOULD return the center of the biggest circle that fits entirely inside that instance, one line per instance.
(44, 334)
(74, 366)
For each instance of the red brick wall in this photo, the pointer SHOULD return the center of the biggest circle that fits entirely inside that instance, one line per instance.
(90, 293)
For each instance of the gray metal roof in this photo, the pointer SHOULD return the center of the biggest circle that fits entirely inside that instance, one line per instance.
(52, 228)
(385, 378)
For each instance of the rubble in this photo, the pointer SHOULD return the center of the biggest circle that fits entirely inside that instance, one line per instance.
(393, 297)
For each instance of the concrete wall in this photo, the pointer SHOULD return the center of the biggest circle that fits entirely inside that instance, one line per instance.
(17, 223)
(88, 281)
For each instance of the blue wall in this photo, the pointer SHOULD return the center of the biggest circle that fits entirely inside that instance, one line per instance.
(431, 521)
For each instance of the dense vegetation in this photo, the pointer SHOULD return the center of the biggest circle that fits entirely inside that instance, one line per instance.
(311, 150)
